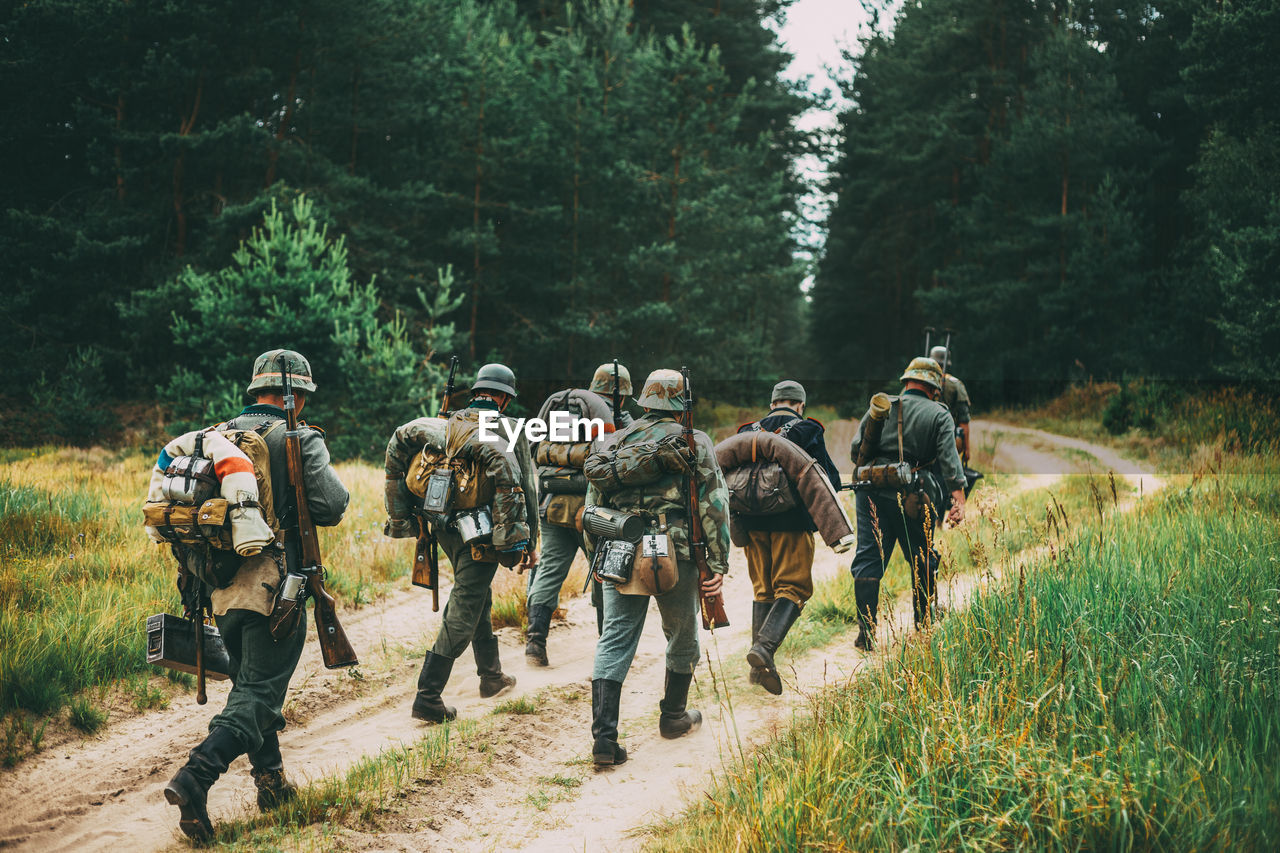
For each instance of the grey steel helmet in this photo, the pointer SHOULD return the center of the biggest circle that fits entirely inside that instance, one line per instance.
(602, 380)
(788, 389)
(940, 355)
(663, 390)
(266, 372)
(495, 377)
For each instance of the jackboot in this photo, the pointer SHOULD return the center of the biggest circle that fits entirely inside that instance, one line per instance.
(759, 612)
(782, 615)
(267, 770)
(428, 705)
(675, 721)
(535, 649)
(866, 596)
(493, 682)
(606, 695)
(189, 788)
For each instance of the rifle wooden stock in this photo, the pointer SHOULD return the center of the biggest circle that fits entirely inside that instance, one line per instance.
(713, 615)
(334, 645)
(201, 695)
(426, 566)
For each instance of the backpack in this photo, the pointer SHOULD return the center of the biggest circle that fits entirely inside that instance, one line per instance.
(186, 507)
(762, 488)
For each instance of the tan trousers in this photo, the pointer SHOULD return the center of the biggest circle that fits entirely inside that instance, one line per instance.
(781, 564)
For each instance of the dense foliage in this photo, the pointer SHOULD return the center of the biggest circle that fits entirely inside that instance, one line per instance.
(601, 182)
(1076, 190)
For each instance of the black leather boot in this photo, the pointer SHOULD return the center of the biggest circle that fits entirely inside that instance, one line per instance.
(428, 705)
(759, 612)
(782, 615)
(675, 721)
(866, 595)
(535, 650)
(605, 698)
(493, 682)
(267, 769)
(189, 788)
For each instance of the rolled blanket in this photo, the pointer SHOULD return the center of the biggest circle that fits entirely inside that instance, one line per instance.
(237, 482)
(811, 482)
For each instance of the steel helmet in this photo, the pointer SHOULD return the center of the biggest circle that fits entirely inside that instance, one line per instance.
(495, 377)
(266, 372)
(940, 355)
(664, 390)
(602, 380)
(924, 370)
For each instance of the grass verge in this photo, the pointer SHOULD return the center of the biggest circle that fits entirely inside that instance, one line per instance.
(1119, 690)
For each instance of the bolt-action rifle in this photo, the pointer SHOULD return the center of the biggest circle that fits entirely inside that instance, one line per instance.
(617, 397)
(712, 605)
(426, 561)
(334, 646)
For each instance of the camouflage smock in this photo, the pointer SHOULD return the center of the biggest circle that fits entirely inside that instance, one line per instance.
(956, 398)
(669, 493)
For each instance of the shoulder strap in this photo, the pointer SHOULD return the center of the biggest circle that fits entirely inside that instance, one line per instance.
(786, 428)
(901, 455)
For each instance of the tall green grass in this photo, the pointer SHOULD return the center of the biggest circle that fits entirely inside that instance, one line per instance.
(78, 576)
(1121, 691)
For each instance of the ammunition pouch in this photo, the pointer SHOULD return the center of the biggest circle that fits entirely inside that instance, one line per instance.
(562, 510)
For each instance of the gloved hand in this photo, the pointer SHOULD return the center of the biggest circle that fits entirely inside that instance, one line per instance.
(401, 528)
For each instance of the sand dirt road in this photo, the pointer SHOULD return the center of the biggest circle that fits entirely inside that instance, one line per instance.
(527, 784)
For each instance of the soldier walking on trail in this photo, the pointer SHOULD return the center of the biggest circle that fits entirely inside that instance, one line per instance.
(560, 511)
(466, 619)
(919, 432)
(260, 666)
(781, 547)
(956, 398)
(656, 490)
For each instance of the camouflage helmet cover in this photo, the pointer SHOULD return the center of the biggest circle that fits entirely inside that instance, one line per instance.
(266, 372)
(495, 377)
(663, 390)
(940, 355)
(602, 380)
(924, 370)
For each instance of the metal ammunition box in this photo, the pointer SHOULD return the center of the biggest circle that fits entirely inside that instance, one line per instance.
(171, 643)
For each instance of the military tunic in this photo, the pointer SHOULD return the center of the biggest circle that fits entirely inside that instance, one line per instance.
(466, 619)
(261, 666)
(928, 442)
(560, 545)
(624, 615)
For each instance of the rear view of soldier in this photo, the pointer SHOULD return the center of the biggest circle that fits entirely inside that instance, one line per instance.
(475, 553)
(899, 496)
(563, 488)
(781, 547)
(956, 398)
(655, 490)
(261, 666)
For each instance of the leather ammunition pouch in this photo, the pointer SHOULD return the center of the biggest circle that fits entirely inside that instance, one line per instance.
(562, 510)
(206, 524)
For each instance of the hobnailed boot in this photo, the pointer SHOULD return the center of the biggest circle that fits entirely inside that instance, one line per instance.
(606, 695)
(759, 612)
(782, 615)
(189, 788)
(493, 682)
(535, 649)
(428, 705)
(866, 595)
(267, 765)
(675, 721)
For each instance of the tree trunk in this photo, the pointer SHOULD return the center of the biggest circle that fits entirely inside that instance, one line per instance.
(475, 226)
